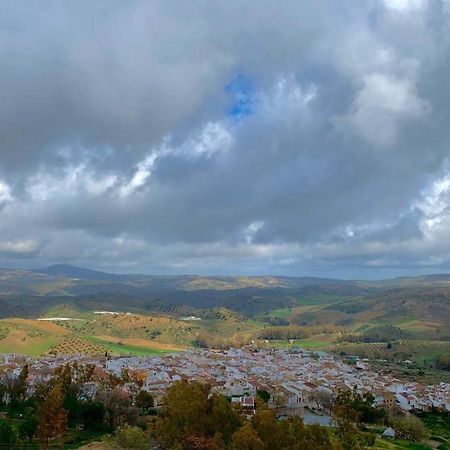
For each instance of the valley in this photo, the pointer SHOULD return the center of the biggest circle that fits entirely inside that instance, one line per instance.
(68, 310)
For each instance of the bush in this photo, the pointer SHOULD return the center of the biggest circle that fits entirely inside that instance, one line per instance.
(131, 438)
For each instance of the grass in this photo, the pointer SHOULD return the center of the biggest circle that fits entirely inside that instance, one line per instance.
(311, 344)
(30, 349)
(316, 299)
(19, 341)
(282, 313)
(127, 349)
(414, 350)
(397, 444)
(438, 425)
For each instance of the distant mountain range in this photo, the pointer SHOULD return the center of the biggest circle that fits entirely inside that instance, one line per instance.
(69, 271)
(65, 279)
(425, 299)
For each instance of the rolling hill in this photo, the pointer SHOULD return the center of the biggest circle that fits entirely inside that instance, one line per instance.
(338, 314)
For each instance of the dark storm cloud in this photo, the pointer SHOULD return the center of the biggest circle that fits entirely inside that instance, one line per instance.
(220, 136)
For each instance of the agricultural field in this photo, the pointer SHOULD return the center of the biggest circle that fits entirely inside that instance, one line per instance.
(67, 331)
(391, 319)
(414, 350)
(319, 342)
(94, 335)
(77, 346)
(30, 337)
(136, 347)
(399, 444)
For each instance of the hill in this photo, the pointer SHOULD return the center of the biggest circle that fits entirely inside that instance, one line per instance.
(69, 271)
(350, 316)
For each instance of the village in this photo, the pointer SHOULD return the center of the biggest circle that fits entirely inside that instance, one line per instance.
(299, 382)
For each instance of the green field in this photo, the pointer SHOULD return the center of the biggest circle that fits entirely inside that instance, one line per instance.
(35, 347)
(310, 344)
(126, 349)
(398, 444)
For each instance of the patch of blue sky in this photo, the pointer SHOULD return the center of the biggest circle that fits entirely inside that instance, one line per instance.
(242, 94)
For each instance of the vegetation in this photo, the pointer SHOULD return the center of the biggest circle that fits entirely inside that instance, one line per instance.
(443, 362)
(65, 410)
(388, 322)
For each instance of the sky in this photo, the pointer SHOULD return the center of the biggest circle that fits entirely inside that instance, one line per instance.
(226, 137)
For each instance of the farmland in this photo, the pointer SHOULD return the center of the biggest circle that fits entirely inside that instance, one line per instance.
(395, 320)
(115, 334)
(137, 347)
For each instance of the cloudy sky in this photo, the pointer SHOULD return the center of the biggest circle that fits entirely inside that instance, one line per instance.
(226, 137)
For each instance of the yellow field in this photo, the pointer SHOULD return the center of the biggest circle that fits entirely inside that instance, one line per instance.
(141, 343)
(19, 341)
(47, 326)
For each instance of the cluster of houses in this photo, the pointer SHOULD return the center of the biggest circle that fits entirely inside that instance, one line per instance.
(297, 380)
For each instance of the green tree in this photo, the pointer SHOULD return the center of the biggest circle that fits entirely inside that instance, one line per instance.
(192, 415)
(27, 428)
(184, 413)
(263, 395)
(312, 437)
(7, 435)
(119, 409)
(72, 378)
(144, 401)
(350, 411)
(131, 438)
(246, 438)
(442, 362)
(269, 430)
(17, 388)
(223, 418)
(409, 427)
(92, 415)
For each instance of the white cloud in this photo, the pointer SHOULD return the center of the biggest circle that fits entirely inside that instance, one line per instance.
(141, 175)
(18, 246)
(117, 148)
(286, 98)
(405, 5)
(382, 106)
(5, 193)
(435, 206)
(251, 230)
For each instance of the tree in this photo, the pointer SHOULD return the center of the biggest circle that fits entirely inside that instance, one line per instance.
(119, 409)
(72, 378)
(269, 430)
(184, 414)
(280, 400)
(51, 417)
(131, 438)
(27, 428)
(191, 416)
(443, 362)
(200, 442)
(246, 438)
(144, 401)
(263, 395)
(16, 387)
(409, 427)
(7, 435)
(92, 415)
(350, 411)
(223, 418)
(323, 399)
(358, 407)
(313, 437)
(3, 392)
